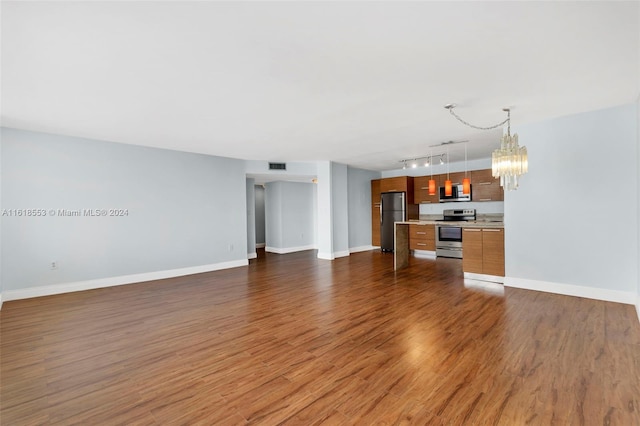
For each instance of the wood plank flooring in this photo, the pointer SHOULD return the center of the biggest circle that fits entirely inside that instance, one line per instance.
(291, 339)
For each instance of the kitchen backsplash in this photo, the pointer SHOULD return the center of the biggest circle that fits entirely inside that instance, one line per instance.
(495, 217)
(485, 207)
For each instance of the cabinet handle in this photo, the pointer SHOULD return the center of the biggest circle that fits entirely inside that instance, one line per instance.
(425, 202)
(485, 183)
(472, 230)
(421, 244)
(484, 199)
(424, 187)
(421, 233)
(492, 230)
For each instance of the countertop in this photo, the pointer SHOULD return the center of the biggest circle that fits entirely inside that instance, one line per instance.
(463, 224)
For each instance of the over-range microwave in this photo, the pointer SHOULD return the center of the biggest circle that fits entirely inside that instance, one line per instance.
(456, 194)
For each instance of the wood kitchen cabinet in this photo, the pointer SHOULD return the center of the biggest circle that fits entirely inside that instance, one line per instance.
(485, 187)
(394, 184)
(493, 251)
(375, 212)
(402, 184)
(456, 178)
(421, 190)
(422, 237)
(483, 251)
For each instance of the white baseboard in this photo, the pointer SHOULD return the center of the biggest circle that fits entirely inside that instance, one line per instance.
(334, 255)
(424, 254)
(49, 290)
(361, 248)
(260, 245)
(325, 255)
(253, 255)
(484, 277)
(288, 249)
(337, 254)
(625, 297)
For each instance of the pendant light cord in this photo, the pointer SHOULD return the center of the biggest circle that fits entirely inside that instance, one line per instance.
(502, 123)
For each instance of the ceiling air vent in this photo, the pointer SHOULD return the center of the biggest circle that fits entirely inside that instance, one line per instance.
(277, 166)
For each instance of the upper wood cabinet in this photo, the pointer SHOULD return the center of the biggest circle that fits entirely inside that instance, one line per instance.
(485, 187)
(399, 184)
(456, 178)
(421, 190)
(375, 192)
(394, 184)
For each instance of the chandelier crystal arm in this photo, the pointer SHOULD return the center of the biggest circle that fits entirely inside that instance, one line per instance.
(450, 107)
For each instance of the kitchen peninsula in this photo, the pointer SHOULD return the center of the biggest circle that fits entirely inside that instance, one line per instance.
(482, 247)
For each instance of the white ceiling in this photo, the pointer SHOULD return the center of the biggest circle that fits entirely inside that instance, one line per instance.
(358, 83)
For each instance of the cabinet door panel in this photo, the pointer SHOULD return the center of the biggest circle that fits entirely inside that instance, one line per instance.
(375, 192)
(375, 226)
(422, 237)
(422, 232)
(421, 190)
(375, 212)
(395, 184)
(485, 187)
(493, 252)
(456, 178)
(472, 250)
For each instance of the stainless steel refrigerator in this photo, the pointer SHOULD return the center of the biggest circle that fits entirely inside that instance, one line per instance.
(392, 210)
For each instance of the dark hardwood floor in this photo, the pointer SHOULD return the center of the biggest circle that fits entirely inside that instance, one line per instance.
(296, 340)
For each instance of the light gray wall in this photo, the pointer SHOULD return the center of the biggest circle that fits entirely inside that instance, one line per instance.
(638, 195)
(567, 223)
(483, 207)
(324, 233)
(259, 210)
(251, 217)
(359, 198)
(294, 168)
(340, 207)
(1, 221)
(289, 215)
(184, 209)
(273, 214)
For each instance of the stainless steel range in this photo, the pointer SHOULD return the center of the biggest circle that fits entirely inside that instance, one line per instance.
(449, 232)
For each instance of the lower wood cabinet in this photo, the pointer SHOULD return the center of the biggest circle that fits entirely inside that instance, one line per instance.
(422, 237)
(375, 212)
(375, 225)
(483, 251)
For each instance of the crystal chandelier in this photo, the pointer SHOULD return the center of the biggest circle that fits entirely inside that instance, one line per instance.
(508, 162)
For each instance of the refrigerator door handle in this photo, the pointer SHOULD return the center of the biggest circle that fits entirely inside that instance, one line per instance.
(381, 212)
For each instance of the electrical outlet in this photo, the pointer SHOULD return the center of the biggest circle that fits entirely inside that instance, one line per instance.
(54, 265)
(230, 247)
